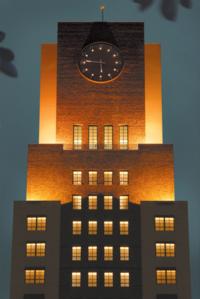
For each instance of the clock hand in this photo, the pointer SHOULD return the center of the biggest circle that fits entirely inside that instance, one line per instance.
(95, 61)
(101, 68)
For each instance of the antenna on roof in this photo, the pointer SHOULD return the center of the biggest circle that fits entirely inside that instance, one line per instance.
(102, 9)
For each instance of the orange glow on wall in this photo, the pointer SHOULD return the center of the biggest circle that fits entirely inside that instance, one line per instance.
(47, 127)
(153, 94)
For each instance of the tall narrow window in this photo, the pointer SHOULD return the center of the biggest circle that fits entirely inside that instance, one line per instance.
(92, 227)
(108, 279)
(108, 177)
(92, 202)
(108, 253)
(34, 276)
(166, 276)
(77, 202)
(108, 227)
(123, 137)
(108, 137)
(39, 276)
(108, 202)
(92, 279)
(124, 279)
(164, 223)
(77, 177)
(92, 137)
(123, 202)
(76, 279)
(124, 253)
(36, 223)
(123, 177)
(77, 137)
(92, 253)
(76, 227)
(76, 253)
(92, 176)
(124, 230)
(40, 249)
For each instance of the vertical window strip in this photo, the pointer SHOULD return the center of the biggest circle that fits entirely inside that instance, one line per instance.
(93, 137)
(123, 137)
(108, 137)
(77, 137)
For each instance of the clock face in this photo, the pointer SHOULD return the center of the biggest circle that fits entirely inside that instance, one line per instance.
(100, 62)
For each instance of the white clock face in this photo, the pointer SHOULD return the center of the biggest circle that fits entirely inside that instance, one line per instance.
(100, 62)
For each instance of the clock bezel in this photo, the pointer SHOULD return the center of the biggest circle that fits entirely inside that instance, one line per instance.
(100, 82)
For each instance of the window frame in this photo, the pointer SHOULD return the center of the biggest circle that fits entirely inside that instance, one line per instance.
(107, 142)
(77, 146)
(91, 144)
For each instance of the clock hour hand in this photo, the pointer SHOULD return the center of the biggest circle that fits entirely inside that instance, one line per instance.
(95, 61)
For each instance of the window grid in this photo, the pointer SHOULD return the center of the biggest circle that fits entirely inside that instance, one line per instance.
(108, 202)
(108, 279)
(92, 175)
(92, 253)
(76, 253)
(123, 202)
(76, 227)
(35, 249)
(165, 249)
(77, 137)
(35, 276)
(92, 227)
(93, 137)
(92, 202)
(124, 279)
(36, 223)
(108, 177)
(76, 279)
(108, 137)
(108, 253)
(124, 227)
(164, 223)
(77, 177)
(123, 177)
(124, 253)
(123, 139)
(40, 249)
(164, 276)
(77, 202)
(108, 227)
(92, 279)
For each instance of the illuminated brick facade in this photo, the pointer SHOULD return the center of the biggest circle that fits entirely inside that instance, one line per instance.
(100, 183)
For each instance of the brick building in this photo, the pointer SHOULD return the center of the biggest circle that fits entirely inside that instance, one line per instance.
(100, 219)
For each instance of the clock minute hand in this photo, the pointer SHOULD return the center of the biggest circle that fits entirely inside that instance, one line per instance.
(95, 61)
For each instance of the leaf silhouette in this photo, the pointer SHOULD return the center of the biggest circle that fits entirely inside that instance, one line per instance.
(169, 9)
(6, 54)
(186, 3)
(144, 4)
(2, 36)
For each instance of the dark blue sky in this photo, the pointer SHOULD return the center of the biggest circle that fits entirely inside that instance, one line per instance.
(30, 23)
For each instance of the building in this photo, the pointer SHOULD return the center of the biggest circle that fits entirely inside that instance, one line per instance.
(100, 219)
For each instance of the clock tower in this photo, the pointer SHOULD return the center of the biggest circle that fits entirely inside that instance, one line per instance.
(100, 220)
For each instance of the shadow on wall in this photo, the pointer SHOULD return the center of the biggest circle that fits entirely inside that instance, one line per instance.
(6, 58)
(168, 8)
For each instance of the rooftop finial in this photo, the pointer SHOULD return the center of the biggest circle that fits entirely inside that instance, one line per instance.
(102, 9)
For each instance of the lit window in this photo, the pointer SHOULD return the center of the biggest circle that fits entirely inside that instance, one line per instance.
(123, 177)
(123, 202)
(36, 223)
(108, 227)
(35, 249)
(166, 276)
(92, 279)
(76, 227)
(77, 177)
(93, 137)
(108, 177)
(108, 137)
(92, 227)
(108, 279)
(108, 202)
(92, 177)
(124, 279)
(77, 137)
(76, 279)
(124, 253)
(123, 139)
(92, 253)
(77, 202)
(76, 253)
(34, 276)
(123, 227)
(108, 253)
(164, 223)
(165, 249)
(92, 202)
